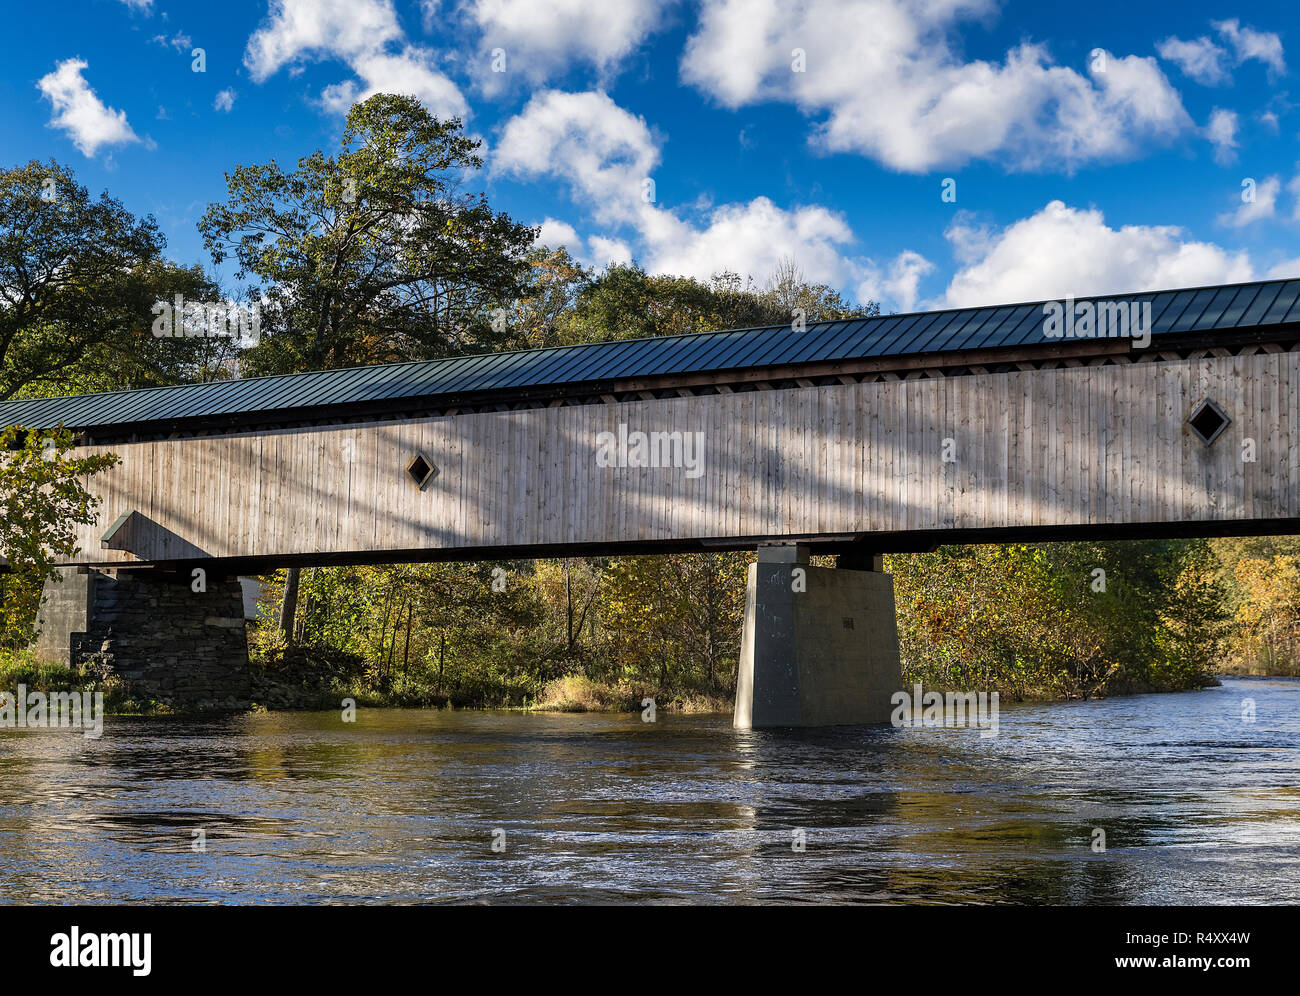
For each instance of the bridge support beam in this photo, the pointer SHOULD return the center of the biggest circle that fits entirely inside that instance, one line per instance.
(820, 645)
(166, 641)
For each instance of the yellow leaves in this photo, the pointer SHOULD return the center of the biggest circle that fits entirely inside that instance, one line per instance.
(1270, 588)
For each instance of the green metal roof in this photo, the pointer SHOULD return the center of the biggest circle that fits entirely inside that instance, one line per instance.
(1203, 309)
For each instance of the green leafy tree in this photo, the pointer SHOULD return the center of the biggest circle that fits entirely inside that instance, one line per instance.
(373, 254)
(1074, 619)
(1260, 577)
(79, 278)
(625, 302)
(675, 620)
(788, 290)
(42, 499)
(537, 318)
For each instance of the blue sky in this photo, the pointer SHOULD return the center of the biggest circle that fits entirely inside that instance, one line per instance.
(1089, 155)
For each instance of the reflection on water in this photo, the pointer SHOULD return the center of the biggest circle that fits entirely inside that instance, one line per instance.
(1197, 807)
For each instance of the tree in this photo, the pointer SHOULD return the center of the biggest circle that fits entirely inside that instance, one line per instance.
(625, 302)
(42, 498)
(537, 318)
(78, 281)
(675, 620)
(1268, 613)
(789, 289)
(570, 588)
(371, 255)
(1075, 618)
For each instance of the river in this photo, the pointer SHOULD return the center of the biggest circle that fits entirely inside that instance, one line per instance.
(1197, 806)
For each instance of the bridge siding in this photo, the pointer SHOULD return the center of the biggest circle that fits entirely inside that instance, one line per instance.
(1090, 445)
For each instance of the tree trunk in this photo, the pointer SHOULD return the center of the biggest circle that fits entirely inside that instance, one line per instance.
(406, 651)
(568, 598)
(289, 606)
(442, 659)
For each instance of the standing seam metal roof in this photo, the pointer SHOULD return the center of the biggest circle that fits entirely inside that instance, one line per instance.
(1199, 309)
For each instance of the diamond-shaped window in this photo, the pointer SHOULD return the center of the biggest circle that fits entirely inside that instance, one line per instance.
(1208, 420)
(421, 470)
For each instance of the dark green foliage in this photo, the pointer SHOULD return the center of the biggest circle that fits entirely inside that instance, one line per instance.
(79, 277)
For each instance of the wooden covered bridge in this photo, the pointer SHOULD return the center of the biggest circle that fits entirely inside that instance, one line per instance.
(857, 437)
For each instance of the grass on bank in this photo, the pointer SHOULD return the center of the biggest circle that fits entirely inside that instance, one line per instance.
(20, 667)
(576, 693)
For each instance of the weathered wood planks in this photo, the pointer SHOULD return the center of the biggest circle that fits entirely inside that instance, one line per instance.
(1056, 447)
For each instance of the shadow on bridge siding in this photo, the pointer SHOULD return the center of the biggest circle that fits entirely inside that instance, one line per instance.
(1104, 446)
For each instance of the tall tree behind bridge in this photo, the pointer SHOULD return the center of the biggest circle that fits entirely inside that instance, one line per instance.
(42, 498)
(372, 255)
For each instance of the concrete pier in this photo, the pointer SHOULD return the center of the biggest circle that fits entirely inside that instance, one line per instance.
(820, 645)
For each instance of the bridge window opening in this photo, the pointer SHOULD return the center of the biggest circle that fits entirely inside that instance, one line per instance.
(421, 470)
(1208, 420)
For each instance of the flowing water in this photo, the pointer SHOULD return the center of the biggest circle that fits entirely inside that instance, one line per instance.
(1197, 806)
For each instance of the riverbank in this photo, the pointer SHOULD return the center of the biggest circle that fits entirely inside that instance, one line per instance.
(299, 685)
(22, 668)
(575, 693)
(301, 682)
(1281, 670)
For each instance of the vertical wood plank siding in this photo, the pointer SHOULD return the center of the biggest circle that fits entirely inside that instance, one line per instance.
(1058, 447)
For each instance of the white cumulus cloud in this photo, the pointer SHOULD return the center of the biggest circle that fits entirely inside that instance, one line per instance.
(899, 281)
(411, 72)
(317, 29)
(1247, 43)
(886, 81)
(607, 156)
(1261, 204)
(1208, 63)
(554, 233)
(1201, 59)
(1288, 269)
(364, 34)
(598, 251)
(1222, 134)
(89, 122)
(540, 38)
(1063, 252)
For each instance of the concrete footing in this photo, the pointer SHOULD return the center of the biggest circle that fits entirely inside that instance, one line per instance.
(166, 641)
(820, 645)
